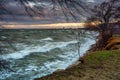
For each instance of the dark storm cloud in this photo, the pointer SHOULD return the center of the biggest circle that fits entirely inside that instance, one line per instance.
(19, 14)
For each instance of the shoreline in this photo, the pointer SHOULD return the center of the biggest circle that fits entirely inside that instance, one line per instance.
(76, 63)
(98, 65)
(82, 57)
(103, 69)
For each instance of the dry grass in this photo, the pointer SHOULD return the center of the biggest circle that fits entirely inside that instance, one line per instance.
(113, 41)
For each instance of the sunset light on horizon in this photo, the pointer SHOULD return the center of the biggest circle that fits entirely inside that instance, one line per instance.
(49, 26)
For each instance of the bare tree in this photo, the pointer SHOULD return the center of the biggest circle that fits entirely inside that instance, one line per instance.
(105, 13)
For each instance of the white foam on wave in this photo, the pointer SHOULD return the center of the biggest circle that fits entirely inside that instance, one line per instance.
(47, 47)
(86, 46)
(47, 39)
(69, 58)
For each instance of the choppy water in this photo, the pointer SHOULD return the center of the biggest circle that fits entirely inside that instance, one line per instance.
(40, 52)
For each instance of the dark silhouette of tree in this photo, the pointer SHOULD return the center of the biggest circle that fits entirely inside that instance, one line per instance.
(107, 12)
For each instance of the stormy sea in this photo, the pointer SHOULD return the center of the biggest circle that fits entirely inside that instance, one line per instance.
(35, 53)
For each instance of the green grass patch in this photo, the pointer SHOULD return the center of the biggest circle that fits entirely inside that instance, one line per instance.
(99, 55)
(97, 59)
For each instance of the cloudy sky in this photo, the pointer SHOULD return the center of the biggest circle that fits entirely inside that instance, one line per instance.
(19, 14)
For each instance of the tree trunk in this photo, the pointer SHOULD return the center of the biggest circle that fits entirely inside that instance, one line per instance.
(105, 34)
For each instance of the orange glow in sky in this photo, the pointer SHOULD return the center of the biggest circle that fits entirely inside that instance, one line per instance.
(48, 26)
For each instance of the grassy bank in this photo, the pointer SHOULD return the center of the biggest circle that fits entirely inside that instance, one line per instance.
(100, 65)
